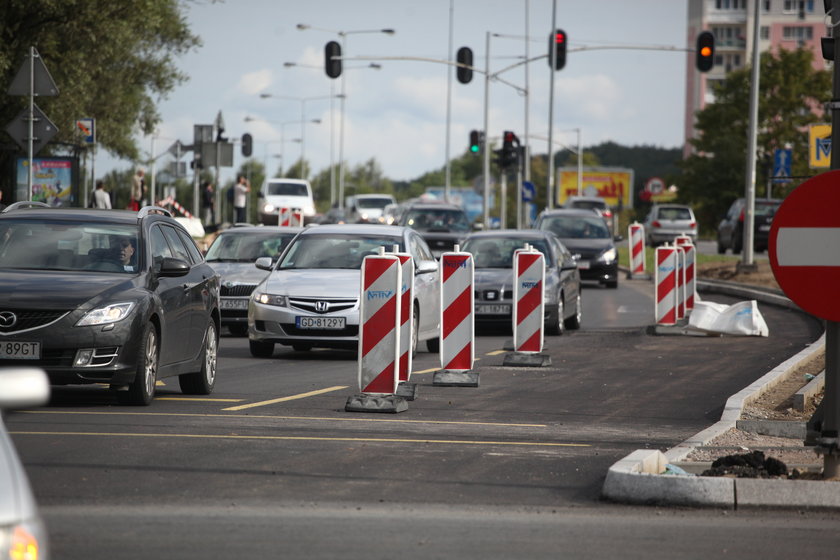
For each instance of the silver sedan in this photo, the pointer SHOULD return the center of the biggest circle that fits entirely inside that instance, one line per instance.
(311, 297)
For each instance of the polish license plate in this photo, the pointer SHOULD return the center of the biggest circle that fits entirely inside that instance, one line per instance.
(764, 228)
(327, 323)
(583, 265)
(20, 350)
(496, 309)
(233, 303)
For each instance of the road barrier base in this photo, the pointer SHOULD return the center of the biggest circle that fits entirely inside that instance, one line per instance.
(408, 391)
(520, 359)
(364, 402)
(450, 378)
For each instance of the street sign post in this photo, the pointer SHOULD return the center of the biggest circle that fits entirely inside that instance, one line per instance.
(805, 257)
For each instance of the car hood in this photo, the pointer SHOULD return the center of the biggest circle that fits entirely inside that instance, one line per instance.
(59, 290)
(487, 278)
(286, 201)
(317, 282)
(238, 273)
(587, 247)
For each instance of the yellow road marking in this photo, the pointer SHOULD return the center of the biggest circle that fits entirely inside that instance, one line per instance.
(289, 398)
(496, 352)
(270, 417)
(310, 438)
(425, 371)
(196, 399)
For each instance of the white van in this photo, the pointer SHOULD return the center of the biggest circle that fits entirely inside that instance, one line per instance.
(368, 208)
(275, 194)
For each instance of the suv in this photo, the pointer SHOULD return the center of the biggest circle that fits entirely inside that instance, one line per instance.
(107, 296)
(442, 225)
(666, 222)
(369, 208)
(596, 204)
(730, 232)
(294, 194)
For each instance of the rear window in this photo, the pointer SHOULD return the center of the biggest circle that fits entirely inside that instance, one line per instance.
(670, 213)
(589, 204)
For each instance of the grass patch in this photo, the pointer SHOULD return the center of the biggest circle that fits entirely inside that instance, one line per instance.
(650, 253)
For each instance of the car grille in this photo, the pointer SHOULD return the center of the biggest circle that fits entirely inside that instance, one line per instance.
(292, 330)
(237, 290)
(29, 319)
(322, 305)
(493, 295)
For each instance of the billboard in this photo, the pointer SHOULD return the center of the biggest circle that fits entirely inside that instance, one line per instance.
(53, 180)
(819, 146)
(615, 185)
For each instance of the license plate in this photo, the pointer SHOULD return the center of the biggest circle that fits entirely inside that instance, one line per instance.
(498, 309)
(763, 228)
(583, 265)
(234, 303)
(320, 322)
(20, 350)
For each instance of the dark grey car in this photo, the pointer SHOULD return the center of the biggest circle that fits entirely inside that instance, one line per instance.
(493, 254)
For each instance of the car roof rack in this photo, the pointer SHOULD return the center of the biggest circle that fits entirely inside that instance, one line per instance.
(146, 210)
(26, 204)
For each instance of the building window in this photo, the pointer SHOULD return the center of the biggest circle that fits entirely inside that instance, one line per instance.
(766, 5)
(764, 33)
(798, 33)
(731, 4)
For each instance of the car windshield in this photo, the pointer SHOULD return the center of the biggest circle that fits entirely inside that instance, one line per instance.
(373, 202)
(247, 247)
(576, 227)
(672, 213)
(766, 207)
(442, 219)
(335, 250)
(497, 252)
(287, 189)
(64, 245)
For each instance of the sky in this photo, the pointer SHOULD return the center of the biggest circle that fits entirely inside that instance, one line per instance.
(397, 114)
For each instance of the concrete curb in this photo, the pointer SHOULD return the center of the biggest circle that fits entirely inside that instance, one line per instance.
(638, 478)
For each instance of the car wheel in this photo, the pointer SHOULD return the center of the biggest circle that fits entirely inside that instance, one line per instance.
(141, 391)
(261, 349)
(301, 347)
(720, 248)
(433, 345)
(573, 322)
(736, 245)
(612, 284)
(555, 325)
(203, 381)
(238, 329)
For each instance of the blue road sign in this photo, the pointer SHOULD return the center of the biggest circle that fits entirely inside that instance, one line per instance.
(781, 165)
(529, 191)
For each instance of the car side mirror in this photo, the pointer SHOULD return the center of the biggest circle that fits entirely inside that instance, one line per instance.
(171, 267)
(264, 263)
(618, 238)
(426, 266)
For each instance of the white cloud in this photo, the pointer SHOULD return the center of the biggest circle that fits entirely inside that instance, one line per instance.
(254, 83)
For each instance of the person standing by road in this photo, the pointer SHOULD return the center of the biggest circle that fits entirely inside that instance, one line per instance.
(240, 198)
(101, 198)
(208, 202)
(138, 190)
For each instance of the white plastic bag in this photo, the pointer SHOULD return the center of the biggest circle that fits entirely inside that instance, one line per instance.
(740, 319)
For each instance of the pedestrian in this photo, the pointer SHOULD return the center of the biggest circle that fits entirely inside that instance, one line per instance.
(101, 198)
(240, 198)
(138, 189)
(208, 202)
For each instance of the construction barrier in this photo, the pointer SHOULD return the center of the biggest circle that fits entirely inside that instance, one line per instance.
(685, 242)
(457, 320)
(169, 201)
(379, 324)
(528, 301)
(290, 217)
(665, 285)
(636, 242)
(680, 282)
(406, 310)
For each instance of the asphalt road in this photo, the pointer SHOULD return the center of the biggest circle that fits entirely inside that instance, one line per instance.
(271, 465)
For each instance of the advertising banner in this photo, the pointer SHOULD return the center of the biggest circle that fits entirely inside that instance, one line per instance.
(615, 185)
(52, 180)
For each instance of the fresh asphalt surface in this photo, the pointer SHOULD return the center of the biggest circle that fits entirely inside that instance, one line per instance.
(272, 465)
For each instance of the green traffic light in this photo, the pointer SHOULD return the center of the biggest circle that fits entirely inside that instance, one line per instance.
(474, 148)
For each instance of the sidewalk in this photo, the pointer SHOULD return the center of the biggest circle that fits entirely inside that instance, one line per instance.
(641, 478)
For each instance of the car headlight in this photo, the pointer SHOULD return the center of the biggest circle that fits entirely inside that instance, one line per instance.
(106, 315)
(268, 208)
(270, 299)
(23, 541)
(607, 256)
(309, 210)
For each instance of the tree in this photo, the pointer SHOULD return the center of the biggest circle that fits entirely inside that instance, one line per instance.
(790, 98)
(110, 60)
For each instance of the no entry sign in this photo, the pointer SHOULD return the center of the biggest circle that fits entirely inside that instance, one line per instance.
(804, 245)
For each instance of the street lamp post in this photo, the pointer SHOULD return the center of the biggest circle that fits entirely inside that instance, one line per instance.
(302, 122)
(343, 35)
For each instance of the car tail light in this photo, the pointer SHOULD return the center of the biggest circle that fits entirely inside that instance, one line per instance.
(656, 223)
(741, 217)
(608, 213)
(692, 225)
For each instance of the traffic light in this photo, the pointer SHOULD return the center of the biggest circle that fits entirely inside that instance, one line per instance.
(557, 48)
(465, 56)
(705, 51)
(508, 155)
(332, 59)
(475, 141)
(247, 145)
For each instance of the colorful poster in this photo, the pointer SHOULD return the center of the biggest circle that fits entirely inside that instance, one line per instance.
(614, 185)
(52, 180)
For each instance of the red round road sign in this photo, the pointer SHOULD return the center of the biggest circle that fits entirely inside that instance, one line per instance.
(804, 245)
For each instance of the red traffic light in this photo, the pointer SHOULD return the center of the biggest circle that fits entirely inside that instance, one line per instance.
(559, 37)
(557, 42)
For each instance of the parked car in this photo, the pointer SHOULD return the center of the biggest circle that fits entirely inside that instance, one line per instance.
(107, 296)
(442, 225)
(730, 232)
(665, 222)
(596, 204)
(311, 296)
(493, 255)
(232, 255)
(586, 236)
(278, 193)
(23, 533)
(369, 208)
